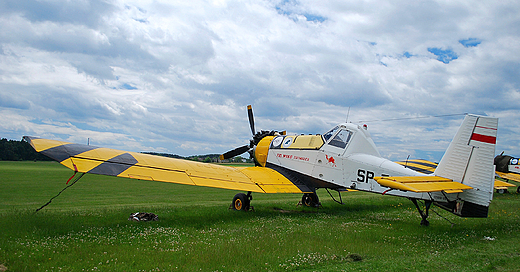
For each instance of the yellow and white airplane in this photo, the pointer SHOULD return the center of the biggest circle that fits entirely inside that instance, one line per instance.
(508, 168)
(341, 159)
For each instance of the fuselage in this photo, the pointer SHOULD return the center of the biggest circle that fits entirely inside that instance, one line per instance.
(343, 158)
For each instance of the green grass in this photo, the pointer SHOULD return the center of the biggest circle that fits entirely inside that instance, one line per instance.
(86, 229)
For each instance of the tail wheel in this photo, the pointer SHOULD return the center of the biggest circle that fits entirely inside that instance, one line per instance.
(310, 200)
(240, 202)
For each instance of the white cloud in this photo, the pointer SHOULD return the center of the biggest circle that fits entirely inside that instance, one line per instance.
(176, 76)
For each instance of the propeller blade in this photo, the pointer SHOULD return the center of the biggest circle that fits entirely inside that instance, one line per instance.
(251, 119)
(235, 152)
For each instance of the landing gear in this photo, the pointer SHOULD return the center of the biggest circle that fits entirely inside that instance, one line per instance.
(424, 214)
(501, 191)
(310, 200)
(242, 202)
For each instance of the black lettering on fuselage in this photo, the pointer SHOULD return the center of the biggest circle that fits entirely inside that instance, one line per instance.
(364, 175)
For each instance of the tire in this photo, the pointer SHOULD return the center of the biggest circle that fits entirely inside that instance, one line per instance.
(310, 200)
(518, 189)
(501, 191)
(240, 202)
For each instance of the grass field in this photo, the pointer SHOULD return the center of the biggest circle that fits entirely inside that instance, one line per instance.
(86, 229)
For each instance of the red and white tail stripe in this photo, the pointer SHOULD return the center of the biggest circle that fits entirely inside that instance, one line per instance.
(485, 134)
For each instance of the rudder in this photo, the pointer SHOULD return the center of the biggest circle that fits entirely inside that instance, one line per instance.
(469, 160)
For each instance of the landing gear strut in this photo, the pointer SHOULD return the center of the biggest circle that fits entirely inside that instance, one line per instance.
(242, 202)
(424, 214)
(310, 200)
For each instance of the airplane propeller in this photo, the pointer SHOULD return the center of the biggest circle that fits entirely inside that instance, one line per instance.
(251, 119)
(257, 136)
(235, 152)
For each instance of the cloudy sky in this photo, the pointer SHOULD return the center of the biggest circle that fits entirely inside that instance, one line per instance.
(177, 77)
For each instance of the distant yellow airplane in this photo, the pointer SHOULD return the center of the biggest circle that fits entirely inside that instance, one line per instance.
(343, 158)
(508, 168)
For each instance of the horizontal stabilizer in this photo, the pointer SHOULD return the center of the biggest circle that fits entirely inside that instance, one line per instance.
(502, 184)
(428, 167)
(510, 176)
(422, 184)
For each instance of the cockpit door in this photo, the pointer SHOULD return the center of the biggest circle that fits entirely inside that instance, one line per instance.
(329, 163)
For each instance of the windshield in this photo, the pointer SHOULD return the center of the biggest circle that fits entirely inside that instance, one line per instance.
(329, 134)
(341, 139)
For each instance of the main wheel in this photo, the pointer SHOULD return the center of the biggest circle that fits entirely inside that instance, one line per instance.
(518, 189)
(310, 200)
(240, 202)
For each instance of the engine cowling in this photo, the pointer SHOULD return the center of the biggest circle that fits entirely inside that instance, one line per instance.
(262, 149)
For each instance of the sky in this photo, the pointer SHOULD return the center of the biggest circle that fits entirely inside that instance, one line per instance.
(177, 76)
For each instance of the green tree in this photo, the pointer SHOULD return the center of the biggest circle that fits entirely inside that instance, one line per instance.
(12, 150)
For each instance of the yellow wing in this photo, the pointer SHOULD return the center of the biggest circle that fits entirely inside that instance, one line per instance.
(423, 166)
(428, 167)
(111, 162)
(510, 176)
(422, 184)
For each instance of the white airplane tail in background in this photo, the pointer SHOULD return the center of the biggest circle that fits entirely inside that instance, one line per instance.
(469, 160)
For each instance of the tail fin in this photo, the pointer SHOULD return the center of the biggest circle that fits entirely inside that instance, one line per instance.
(469, 160)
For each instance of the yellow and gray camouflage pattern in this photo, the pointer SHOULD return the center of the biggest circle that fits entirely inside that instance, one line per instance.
(105, 161)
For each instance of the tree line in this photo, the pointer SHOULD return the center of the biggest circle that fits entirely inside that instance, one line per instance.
(203, 158)
(12, 150)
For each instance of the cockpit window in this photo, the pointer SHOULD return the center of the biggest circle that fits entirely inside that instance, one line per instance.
(330, 133)
(341, 139)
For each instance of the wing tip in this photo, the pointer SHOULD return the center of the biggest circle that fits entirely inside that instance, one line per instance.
(29, 139)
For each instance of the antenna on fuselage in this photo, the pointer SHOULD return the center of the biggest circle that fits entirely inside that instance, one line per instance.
(348, 112)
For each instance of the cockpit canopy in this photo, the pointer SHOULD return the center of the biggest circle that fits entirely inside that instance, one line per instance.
(350, 139)
(344, 139)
